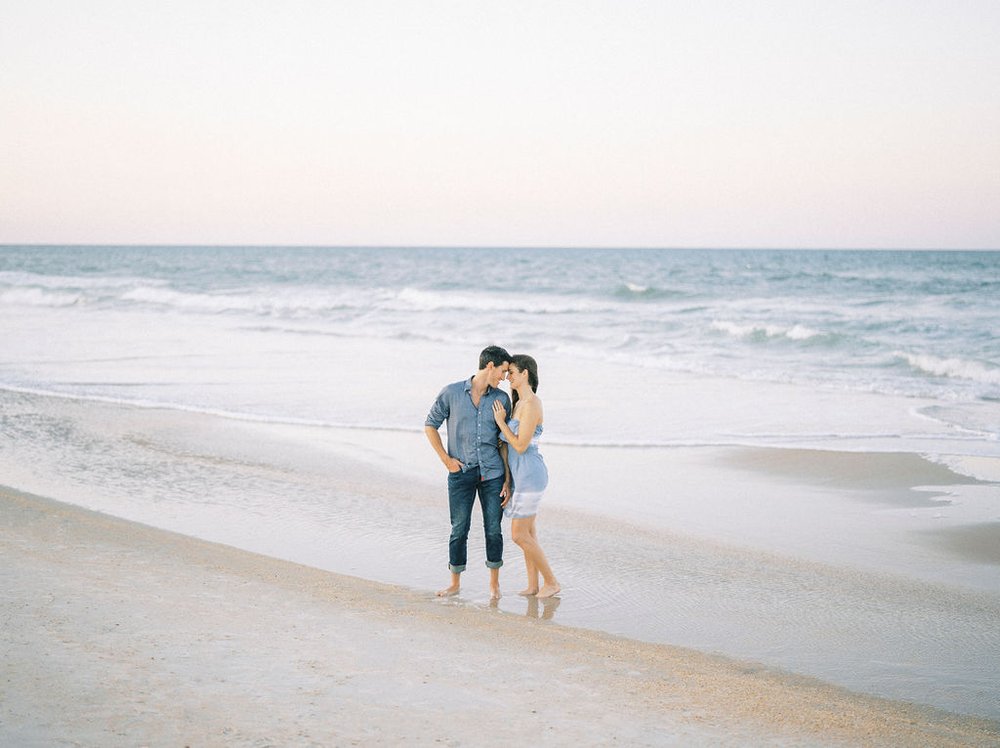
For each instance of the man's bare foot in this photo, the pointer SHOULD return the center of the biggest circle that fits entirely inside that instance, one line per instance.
(548, 590)
(448, 591)
(494, 593)
(528, 592)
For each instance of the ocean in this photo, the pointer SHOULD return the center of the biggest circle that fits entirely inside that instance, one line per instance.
(363, 337)
(786, 457)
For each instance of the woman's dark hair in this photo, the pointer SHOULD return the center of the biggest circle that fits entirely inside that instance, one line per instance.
(524, 362)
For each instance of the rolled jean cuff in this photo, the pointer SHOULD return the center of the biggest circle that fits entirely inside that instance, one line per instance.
(494, 564)
(457, 569)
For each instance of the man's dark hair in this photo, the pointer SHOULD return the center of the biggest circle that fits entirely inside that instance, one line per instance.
(495, 355)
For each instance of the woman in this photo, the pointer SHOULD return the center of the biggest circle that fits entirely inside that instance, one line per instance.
(528, 472)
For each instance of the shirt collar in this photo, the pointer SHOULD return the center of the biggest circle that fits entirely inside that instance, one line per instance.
(468, 386)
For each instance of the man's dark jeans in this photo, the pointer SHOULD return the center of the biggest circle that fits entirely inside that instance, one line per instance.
(462, 489)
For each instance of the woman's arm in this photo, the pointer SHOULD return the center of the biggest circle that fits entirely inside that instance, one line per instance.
(531, 416)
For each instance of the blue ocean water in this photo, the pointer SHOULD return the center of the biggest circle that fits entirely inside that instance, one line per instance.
(363, 336)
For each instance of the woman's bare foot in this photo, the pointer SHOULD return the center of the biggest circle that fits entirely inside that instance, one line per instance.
(528, 592)
(448, 591)
(548, 590)
(494, 593)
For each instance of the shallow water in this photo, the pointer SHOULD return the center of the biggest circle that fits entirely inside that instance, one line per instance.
(328, 499)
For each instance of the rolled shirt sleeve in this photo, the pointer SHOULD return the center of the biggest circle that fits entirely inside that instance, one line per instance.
(439, 411)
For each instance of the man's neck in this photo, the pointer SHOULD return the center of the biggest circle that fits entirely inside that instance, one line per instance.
(479, 382)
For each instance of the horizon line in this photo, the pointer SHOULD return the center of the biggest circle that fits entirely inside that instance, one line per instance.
(228, 245)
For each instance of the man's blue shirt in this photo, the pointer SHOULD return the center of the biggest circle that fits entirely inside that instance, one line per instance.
(473, 434)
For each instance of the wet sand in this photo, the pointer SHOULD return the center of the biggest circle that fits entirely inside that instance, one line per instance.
(979, 543)
(115, 633)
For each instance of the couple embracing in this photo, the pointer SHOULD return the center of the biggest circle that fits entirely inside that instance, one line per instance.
(493, 453)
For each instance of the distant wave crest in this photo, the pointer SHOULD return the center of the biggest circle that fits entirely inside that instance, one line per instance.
(415, 299)
(37, 297)
(630, 291)
(297, 304)
(951, 368)
(764, 332)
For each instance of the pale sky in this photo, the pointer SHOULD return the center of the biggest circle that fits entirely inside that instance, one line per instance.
(669, 124)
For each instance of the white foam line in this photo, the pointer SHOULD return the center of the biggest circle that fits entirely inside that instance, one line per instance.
(231, 415)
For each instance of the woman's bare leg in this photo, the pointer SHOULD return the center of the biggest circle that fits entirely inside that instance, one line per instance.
(524, 534)
(529, 562)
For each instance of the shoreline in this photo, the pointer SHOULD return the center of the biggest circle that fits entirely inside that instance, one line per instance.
(120, 632)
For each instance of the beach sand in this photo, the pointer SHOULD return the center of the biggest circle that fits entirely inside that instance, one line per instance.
(115, 633)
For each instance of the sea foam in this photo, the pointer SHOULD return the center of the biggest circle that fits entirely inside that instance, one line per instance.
(956, 368)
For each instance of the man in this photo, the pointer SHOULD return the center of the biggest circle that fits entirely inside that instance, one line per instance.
(474, 461)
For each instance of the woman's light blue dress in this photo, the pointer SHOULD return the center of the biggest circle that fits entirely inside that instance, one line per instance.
(528, 474)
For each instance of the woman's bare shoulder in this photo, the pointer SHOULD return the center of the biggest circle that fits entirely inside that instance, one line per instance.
(532, 408)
